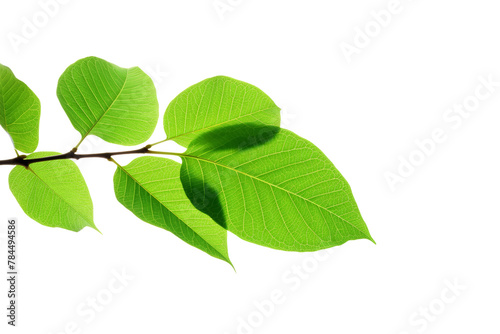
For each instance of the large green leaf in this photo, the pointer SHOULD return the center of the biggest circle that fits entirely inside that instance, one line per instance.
(271, 187)
(150, 187)
(19, 111)
(117, 104)
(218, 101)
(53, 193)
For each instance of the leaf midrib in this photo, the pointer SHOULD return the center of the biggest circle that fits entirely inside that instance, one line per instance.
(138, 183)
(109, 108)
(57, 194)
(219, 124)
(275, 186)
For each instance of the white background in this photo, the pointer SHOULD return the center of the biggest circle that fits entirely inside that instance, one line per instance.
(441, 225)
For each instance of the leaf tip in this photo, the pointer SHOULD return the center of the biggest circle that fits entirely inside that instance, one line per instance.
(231, 264)
(95, 228)
(369, 237)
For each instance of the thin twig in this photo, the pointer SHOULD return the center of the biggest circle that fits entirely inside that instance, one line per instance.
(22, 161)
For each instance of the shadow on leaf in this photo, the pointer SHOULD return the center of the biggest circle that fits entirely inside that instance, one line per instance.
(203, 197)
(240, 137)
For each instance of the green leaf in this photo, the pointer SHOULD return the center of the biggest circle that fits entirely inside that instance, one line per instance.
(53, 193)
(19, 111)
(218, 101)
(116, 104)
(150, 187)
(271, 187)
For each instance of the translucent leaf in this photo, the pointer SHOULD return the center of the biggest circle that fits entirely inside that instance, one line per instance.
(19, 111)
(150, 187)
(218, 101)
(53, 193)
(271, 187)
(116, 104)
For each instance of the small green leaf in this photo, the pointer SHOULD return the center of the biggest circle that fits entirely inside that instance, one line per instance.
(53, 193)
(271, 187)
(116, 104)
(150, 187)
(218, 101)
(19, 111)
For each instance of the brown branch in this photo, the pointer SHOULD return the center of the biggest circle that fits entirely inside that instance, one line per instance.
(22, 161)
